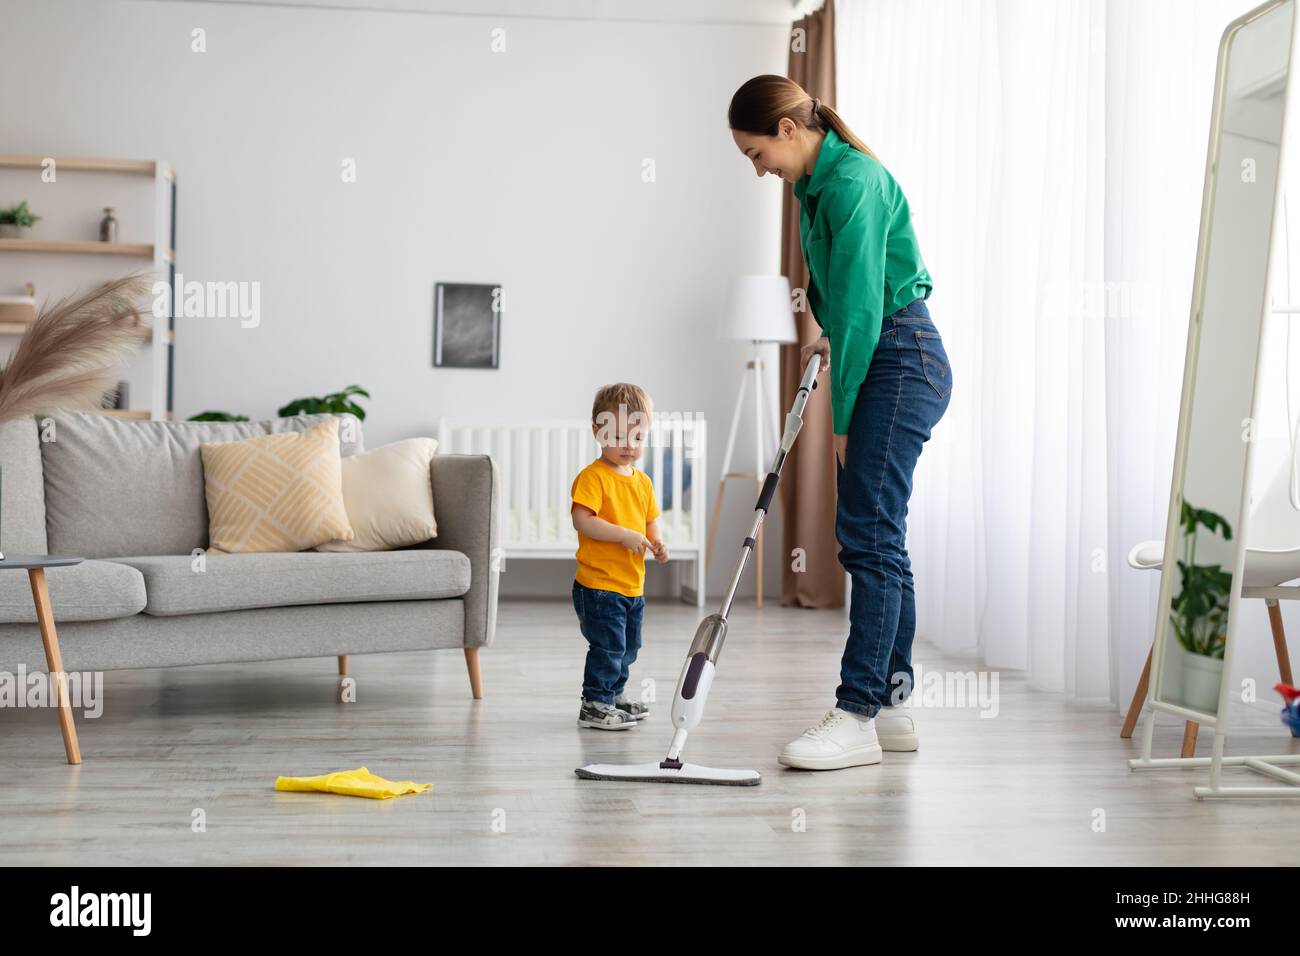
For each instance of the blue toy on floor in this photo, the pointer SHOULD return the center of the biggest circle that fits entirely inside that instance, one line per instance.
(1291, 712)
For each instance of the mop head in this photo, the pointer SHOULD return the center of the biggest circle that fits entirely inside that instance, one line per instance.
(654, 773)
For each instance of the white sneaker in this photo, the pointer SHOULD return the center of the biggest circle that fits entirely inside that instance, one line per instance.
(896, 729)
(839, 740)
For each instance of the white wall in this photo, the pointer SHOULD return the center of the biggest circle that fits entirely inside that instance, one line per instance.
(521, 168)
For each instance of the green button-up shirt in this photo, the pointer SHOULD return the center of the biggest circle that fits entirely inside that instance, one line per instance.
(855, 229)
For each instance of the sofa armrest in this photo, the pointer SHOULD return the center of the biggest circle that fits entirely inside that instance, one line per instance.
(465, 490)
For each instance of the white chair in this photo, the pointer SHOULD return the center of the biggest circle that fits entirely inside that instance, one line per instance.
(1272, 559)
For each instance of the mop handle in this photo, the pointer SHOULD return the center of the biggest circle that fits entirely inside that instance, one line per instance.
(697, 674)
(806, 386)
(793, 423)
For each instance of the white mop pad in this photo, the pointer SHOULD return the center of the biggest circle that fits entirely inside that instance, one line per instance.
(653, 773)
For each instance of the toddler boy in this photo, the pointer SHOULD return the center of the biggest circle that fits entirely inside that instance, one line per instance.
(616, 517)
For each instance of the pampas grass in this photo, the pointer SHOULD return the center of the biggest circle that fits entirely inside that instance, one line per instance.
(68, 358)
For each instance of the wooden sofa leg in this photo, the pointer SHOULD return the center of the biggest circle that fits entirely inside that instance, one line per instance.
(1190, 731)
(343, 665)
(475, 675)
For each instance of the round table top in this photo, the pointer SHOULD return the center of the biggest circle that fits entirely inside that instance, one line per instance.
(27, 562)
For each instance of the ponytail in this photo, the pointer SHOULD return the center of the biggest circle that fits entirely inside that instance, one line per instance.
(758, 106)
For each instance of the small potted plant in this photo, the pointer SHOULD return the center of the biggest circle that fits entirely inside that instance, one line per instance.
(15, 219)
(1199, 612)
(335, 403)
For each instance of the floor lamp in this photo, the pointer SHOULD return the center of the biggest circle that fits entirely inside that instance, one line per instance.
(759, 312)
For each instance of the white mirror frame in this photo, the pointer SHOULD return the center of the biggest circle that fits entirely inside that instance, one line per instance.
(1268, 765)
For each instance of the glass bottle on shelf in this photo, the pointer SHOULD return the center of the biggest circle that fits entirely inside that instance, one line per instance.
(108, 226)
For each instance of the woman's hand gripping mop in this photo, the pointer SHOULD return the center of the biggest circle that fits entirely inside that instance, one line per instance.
(702, 658)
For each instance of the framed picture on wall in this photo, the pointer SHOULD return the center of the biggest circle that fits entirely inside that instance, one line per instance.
(466, 325)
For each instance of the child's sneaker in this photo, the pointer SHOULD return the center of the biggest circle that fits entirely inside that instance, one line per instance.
(634, 707)
(601, 716)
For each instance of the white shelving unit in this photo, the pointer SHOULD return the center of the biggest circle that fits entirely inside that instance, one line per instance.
(61, 254)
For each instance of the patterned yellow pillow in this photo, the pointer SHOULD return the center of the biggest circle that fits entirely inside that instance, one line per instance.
(276, 492)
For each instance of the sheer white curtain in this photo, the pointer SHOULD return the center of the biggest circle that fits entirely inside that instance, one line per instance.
(1053, 153)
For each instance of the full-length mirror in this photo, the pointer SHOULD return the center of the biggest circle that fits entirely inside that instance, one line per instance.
(1205, 533)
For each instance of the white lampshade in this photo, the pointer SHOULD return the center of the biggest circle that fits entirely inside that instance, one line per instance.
(758, 309)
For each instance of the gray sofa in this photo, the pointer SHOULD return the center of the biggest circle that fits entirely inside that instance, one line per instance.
(128, 496)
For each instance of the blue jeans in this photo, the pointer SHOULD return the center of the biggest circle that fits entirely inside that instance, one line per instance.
(611, 623)
(906, 392)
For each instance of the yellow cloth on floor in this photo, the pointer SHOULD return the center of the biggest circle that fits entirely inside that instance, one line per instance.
(353, 783)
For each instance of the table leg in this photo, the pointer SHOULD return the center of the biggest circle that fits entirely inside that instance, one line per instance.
(54, 660)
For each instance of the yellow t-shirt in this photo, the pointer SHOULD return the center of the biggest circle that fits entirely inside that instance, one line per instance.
(627, 501)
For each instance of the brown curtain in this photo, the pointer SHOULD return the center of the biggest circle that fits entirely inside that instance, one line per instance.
(808, 478)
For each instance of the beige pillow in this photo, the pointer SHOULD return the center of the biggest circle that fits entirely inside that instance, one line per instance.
(275, 492)
(388, 493)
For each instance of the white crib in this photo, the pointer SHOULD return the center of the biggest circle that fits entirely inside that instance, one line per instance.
(538, 460)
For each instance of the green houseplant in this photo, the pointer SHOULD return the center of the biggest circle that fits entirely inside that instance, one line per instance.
(335, 403)
(217, 417)
(17, 218)
(1199, 611)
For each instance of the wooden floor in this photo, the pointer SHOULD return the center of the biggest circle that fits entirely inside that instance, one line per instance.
(1024, 787)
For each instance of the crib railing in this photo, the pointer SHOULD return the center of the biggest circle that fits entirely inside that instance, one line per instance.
(538, 460)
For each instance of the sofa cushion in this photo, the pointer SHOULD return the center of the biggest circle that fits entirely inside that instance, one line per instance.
(388, 493)
(276, 492)
(22, 488)
(117, 487)
(90, 591)
(180, 584)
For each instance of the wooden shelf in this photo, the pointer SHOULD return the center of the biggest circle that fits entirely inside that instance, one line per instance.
(20, 328)
(167, 336)
(130, 414)
(139, 250)
(86, 164)
(153, 176)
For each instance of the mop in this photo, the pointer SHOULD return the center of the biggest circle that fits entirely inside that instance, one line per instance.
(702, 658)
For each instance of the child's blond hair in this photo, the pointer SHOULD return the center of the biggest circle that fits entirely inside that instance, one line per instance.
(621, 404)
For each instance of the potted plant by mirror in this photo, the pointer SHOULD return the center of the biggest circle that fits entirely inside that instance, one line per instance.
(1199, 612)
(15, 219)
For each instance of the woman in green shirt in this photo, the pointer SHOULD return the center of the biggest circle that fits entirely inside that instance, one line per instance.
(890, 384)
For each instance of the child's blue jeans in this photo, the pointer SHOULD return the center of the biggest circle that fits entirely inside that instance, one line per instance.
(907, 390)
(611, 623)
